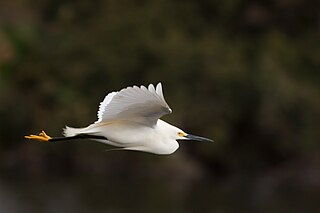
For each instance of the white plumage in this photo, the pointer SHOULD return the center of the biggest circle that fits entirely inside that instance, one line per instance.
(137, 104)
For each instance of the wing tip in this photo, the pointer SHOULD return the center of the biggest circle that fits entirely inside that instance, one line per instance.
(103, 105)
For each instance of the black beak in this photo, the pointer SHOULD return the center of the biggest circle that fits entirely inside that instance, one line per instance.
(198, 138)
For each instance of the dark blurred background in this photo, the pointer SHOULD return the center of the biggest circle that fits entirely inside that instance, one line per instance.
(244, 73)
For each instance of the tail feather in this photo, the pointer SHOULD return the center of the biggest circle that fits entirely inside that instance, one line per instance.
(70, 131)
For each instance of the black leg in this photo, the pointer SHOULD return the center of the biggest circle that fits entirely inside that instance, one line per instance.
(81, 136)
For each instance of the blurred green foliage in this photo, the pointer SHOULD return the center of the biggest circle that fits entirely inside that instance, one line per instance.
(245, 73)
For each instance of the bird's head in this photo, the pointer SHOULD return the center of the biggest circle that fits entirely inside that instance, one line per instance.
(177, 134)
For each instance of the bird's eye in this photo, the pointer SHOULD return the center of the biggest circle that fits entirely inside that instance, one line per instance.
(181, 134)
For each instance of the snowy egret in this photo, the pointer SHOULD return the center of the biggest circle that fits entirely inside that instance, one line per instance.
(129, 119)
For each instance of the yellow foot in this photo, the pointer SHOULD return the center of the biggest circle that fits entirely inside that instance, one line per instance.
(42, 137)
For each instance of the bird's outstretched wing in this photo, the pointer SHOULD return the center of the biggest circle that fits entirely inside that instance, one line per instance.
(138, 104)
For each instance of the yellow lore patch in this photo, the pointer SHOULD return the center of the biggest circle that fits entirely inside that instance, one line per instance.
(181, 134)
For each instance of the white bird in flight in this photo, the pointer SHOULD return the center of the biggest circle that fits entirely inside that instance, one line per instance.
(130, 119)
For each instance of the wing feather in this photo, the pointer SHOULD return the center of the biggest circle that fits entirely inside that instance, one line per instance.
(159, 91)
(138, 104)
(103, 105)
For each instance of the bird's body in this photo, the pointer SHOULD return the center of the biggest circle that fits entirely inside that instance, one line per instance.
(129, 119)
(138, 136)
